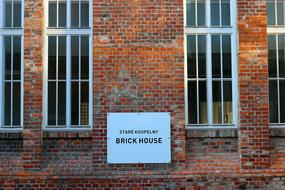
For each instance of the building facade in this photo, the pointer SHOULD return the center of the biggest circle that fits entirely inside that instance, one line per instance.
(216, 66)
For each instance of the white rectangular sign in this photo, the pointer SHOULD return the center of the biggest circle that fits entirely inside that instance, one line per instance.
(138, 138)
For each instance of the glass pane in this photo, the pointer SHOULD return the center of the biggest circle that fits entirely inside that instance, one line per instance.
(215, 13)
(202, 56)
(203, 102)
(273, 102)
(17, 14)
(228, 113)
(281, 54)
(8, 14)
(227, 58)
(17, 103)
(52, 15)
(17, 58)
(216, 56)
(217, 104)
(191, 56)
(280, 13)
(190, 6)
(192, 102)
(282, 101)
(62, 14)
(84, 14)
(201, 13)
(52, 103)
(61, 57)
(7, 49)
(52, 57)
(7, 103)
(270, 12)
(74, 103)
(272, 56)
(74, 57)
(75, 14)
(84, 57)
(61, 103)
(84, 111)
(226, 13)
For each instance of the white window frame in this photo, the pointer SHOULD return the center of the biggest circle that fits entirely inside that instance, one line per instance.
(11, 31)
(68, 32)
(275, 30)
(209, 30)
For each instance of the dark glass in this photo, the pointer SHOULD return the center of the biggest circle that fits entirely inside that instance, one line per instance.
(270, 12)
(217, 104)
(273, 101)
(203, 119)
(282, 101)
(8, 60)
(215, 13)
(191, 56)
(74, 57)
(190, 6)
(84, 57)
(62, 57)
(216, 56)
(227, 104)
(201, 13)
(8, 14)
(16, 57)
(227, 58)
(84, 111)
(272, 57)
(74, 103)
(75, 14)
(7, 103)
(84, 14)
(62, 14)
(17, 18)
(280, 13)
(61, 103)
(52, 16)
(192, 102)
(52, 103)
(281, 54)
(226, 13)
(202, 56)
(16, 103)
(52, 43)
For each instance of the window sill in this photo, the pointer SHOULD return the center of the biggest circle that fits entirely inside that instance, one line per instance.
(11, 134)
(67, 134)
(211, 131)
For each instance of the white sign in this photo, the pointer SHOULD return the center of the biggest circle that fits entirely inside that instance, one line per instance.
(138, 138)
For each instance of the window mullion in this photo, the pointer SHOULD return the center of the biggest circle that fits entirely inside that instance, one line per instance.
(56, 84)
(208, 13)
(222, 77)
(68, 81)
(277, 67)
(197, 79)
(79, 83)
(12, 14)
(209, 79)
(68, 12)
(11, 82)
(1, 83)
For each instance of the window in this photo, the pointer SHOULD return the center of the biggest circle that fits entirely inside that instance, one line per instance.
(211, 64)
(11, 64)
(276, 60)
(68, 67)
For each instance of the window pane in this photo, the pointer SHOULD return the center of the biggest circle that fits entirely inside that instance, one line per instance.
(7, 42)
(52, 14)
(217, 104)
(62, 14)
(52, 103)
(273, 101)
(74, 103)
(280, 12)
(61, 57)
(75, 14)
(84, 112)
(272, 56)
(202, 56)
(84, 57)
(191, 56)
(201, 13)
(7, 103)
(226, 10)
(190, 6)
(16, 103)
(203, 102)
(52, 57)
(74, 57)
(84, 14)
(61, 103)
(270, 12)
(8, 14)
(281, 55)
(228, 113)
(192, 102)
(227, 59)
(282, 101)
(216, 56)
(17, 14)
(215, 13)
(17, 58)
